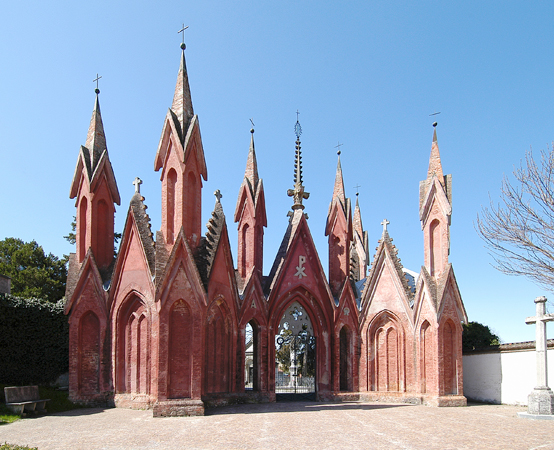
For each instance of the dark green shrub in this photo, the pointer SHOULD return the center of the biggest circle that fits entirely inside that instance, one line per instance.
(34, 341)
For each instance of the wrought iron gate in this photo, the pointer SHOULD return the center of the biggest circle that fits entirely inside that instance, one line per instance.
(295, 356)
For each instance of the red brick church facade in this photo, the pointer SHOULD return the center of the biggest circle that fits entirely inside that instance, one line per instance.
(162, 324)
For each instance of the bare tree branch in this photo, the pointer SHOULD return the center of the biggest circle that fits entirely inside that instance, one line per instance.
(519, 230)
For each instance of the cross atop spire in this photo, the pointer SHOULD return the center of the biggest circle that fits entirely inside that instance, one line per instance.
(96, 79)
(298, 192)
(182, 30)
(385, 222)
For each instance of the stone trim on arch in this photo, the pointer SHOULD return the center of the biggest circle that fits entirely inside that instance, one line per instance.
(322, 326)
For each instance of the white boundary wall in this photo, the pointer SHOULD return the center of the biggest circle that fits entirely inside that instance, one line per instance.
(505, 374)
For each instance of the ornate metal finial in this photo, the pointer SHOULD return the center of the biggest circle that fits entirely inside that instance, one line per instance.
(297, 127)
(182, 30)
(385, 223)
(96, 80)
(137, 184)
(218, 195)
(298, 191)
(252, 129)
(357, 187)
(339, 145)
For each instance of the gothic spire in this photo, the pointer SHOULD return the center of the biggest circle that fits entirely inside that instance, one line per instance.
(96, 139)
(182, 102)
(298, 192)
(358, 219)
(251, 172)
(435, 166)
(338, 190)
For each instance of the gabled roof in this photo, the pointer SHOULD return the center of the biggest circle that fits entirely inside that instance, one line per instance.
(386, 251)
(137, 213)
(181, 246)
(297, 229)
(294, 221)
(437, 290)
(78, 280)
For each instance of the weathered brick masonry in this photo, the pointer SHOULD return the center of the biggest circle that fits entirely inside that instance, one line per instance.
(163, 324)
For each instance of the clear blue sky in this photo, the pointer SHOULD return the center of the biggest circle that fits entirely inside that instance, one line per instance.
(365, 74)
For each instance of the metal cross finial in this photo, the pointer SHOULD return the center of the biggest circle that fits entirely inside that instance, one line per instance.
(137, 184)
(252, 129)
(297, 114)
(218, 195)
(96, 79)
(357, 188)
(385, 223)
(182, 30)
(339, 145)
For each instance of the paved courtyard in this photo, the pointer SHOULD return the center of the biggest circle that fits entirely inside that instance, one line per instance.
(283, 425)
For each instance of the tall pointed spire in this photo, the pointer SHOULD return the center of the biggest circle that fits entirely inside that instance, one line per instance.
(298, 192)
(182, 102)
(251, 172)
(358, 228)
(435, 166)
(338, 190)
(96, 139)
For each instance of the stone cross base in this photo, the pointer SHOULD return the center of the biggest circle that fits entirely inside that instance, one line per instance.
(541, 401)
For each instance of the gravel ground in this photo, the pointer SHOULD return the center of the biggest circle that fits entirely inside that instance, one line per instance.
(283, 425)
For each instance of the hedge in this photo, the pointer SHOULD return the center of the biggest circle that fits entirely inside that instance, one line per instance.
(34, 340)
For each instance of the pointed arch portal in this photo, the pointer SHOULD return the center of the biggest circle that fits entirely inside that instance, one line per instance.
(295, 355)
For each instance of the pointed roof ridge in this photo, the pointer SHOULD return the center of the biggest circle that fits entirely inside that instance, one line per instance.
(142, 220)
(294, 220)
(338, 190)
(206, 256)
(251, 172)
(435, 166)
(96, 138)
(182, 101)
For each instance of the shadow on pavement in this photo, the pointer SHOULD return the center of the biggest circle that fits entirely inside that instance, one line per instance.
(295, 406)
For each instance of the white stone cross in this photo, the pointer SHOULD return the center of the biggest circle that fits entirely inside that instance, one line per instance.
(137, 184)
(540, 320)
(385, 223)
(218, 196)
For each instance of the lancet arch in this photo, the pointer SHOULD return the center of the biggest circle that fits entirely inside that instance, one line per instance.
(386, 353)
(132, 365)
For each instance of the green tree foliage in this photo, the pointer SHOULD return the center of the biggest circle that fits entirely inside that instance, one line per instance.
(33, 272)
(476, 335)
